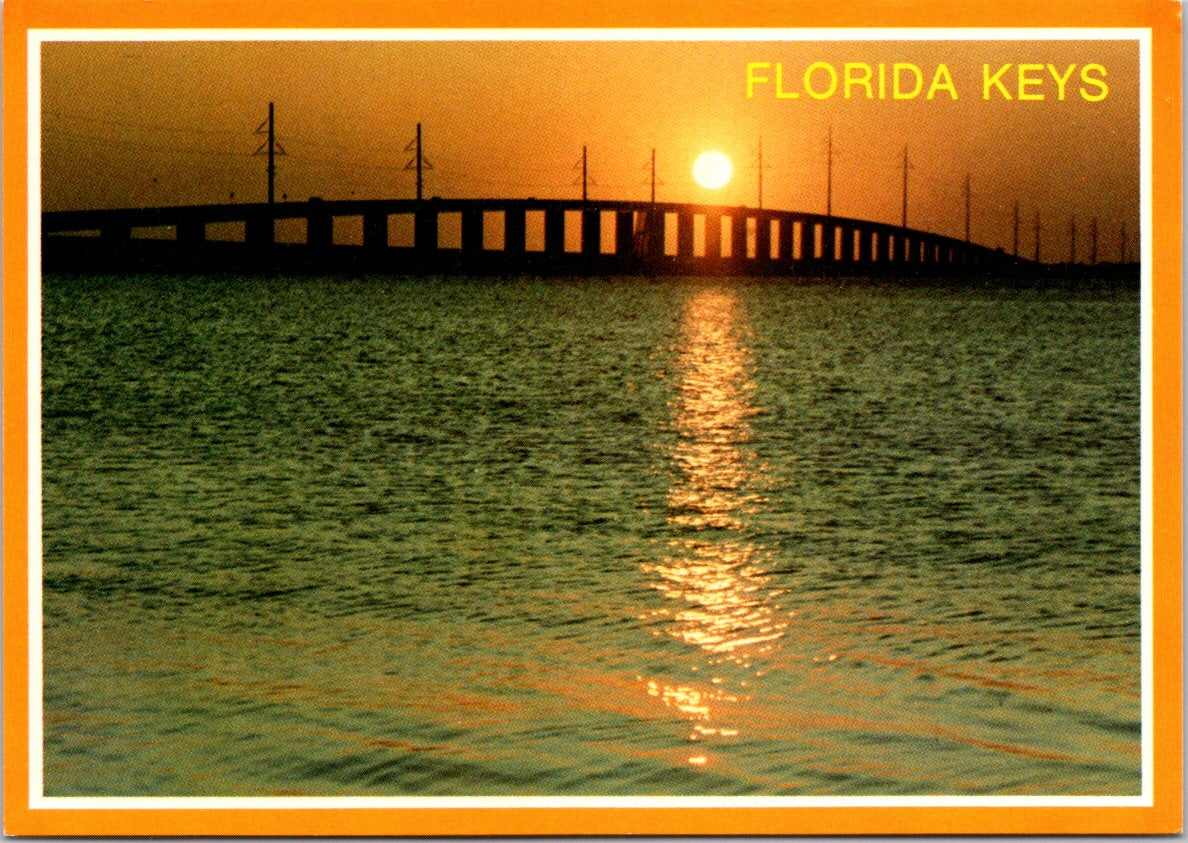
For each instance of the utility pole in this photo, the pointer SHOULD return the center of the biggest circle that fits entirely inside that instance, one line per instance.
(967, 207)
(1016, 247)
(271, 155)
(905, 179)
(580, 164)
(1037, 236)
(1093, 241)
(829, 173)
(271, 148)
(1072, 239)
(418, 162)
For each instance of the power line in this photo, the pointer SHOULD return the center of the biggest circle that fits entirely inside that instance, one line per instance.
(156, 127)
(445, 176)
(128, 144)
(294, 157)
(84, 143)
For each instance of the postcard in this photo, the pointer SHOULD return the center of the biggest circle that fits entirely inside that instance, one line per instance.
(431, 419)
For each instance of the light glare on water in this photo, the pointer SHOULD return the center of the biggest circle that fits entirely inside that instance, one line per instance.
(722, 600)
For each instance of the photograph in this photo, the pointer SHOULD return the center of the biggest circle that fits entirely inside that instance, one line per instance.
(551, 429)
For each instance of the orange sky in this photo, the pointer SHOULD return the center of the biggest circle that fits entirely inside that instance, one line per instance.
(152, 123)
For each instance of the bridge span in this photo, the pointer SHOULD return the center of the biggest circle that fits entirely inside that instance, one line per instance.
(549, 236)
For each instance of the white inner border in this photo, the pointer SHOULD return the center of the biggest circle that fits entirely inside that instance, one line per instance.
(36, 37)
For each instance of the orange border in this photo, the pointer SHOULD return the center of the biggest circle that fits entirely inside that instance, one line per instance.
(1161, 16)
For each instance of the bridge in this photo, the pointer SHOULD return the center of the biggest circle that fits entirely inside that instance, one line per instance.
(547, 236)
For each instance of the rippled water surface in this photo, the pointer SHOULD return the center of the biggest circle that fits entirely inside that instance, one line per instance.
(392, 537)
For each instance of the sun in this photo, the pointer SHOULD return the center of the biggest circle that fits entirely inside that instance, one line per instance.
(712, 170)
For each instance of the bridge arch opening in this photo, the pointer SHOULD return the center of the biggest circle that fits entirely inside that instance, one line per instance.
(227, 232)
(494, 231)
(449, 230)
(155, 232)
(401, 228)
(573, 231)
(348, 231)
(534, 231)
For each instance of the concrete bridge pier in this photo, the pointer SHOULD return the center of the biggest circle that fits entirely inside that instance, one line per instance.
(591, 232)
(685, 235)
(624, 234)
(822, 243)
(472, 231)
(554, 233)
(116, 238)
(763, 238)
(115, 234)
(738, 237)
(785, 240)
(425, 230)
(863, 257)
(905, 248)
(375, 231)
(804, 229)
(191, 232)
(651, 239)
(808, 252)
(259, 230)
(515, 227)
(713, 236)
(319, 231)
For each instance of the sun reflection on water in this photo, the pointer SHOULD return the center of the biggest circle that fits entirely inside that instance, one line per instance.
(714, 575)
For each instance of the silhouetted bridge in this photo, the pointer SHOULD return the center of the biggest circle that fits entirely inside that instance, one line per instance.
(501, 235)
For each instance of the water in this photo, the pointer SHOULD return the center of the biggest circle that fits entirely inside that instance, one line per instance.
(399, 537)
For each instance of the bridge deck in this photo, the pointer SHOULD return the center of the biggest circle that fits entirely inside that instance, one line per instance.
(518, 234)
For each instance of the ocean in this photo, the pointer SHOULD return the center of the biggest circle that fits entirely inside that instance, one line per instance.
(634, 536)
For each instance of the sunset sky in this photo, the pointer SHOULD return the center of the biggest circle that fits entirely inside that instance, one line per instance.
(160, 123)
